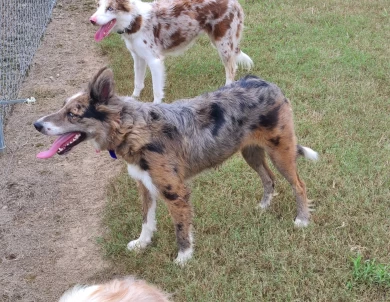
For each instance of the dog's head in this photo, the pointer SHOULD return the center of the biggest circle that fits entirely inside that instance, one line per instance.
(92, 114)
(113, 15)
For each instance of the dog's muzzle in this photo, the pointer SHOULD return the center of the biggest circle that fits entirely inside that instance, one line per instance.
(38, 126)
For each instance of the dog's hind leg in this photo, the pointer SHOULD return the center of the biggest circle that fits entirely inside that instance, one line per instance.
(255, 157)
(228, 59)
(149, 219)
(225, 50)
(139, 74)
(226, 36)
(284, 158)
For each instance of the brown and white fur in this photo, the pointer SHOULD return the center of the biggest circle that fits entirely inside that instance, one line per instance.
(153, 30)
(166, 144)
(118, 290)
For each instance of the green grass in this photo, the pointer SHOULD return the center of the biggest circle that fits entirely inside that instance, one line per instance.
(370, 272)
(332, 61)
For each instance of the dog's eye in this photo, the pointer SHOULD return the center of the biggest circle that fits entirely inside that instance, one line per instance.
(70, 114)
(110, 9)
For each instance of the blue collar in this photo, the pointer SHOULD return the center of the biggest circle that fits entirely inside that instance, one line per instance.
(112, 153)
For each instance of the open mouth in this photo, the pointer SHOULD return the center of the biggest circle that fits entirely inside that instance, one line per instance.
(104, 30)
(63, 144)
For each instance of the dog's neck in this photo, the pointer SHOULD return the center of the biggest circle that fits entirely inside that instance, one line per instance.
(134, 21)
(133, 27)
(132, 133)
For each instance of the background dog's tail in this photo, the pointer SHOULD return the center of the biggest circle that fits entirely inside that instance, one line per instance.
(244, 60)
(307, 152)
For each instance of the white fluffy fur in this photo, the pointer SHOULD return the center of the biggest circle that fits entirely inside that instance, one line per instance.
(118, 290)
(184, 256)
(79, 293)
(244, 60)
(301, 223)
(310, 153)
(143, 176)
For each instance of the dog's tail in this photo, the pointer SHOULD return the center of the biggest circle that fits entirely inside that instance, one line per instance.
(244, 60)
(307, 152)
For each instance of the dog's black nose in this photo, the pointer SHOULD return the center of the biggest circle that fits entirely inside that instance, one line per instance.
(38, 126)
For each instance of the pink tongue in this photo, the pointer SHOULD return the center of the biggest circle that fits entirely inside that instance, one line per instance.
(57, 144)
(100, 33)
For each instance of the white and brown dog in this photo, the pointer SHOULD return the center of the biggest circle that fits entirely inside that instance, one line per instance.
(118, 290)
(166, 144)
(153, 30)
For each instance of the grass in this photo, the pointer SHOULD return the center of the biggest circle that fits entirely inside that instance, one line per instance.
(370, 272)
(332, 60)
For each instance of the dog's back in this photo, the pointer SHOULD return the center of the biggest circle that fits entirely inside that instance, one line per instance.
(207, 130)
(176, 23)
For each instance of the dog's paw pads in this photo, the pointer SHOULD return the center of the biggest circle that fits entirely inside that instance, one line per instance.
(136, 245)
(301, 223)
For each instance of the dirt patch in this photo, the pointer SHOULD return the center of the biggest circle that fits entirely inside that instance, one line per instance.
(50, 210)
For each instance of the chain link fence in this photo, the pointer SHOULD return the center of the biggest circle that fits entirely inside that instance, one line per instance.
(22, 23)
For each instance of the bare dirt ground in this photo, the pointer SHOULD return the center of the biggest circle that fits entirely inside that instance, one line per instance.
(50, 210)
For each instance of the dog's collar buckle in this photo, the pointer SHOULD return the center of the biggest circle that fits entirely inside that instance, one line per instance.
(112, 154)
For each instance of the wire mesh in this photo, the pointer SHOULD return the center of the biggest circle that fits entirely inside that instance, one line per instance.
(22, 23)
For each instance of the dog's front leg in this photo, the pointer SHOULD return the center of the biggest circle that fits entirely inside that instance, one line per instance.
(139, 74)
(149, 219)
(177, 199)
(156, 66)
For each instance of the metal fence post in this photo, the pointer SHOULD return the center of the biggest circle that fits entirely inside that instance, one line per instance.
(2, 143)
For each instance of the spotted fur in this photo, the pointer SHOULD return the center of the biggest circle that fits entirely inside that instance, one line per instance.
(166, 144)
(153, 30)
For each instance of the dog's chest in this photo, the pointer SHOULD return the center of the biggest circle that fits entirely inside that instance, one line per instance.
(143, 176)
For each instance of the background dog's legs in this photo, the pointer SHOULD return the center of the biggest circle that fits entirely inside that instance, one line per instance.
(139, 74)
(255, 157)
(228, 60)
(149, 219)
(225, 48)
(285, 162)
(158, 78)
(230, 69)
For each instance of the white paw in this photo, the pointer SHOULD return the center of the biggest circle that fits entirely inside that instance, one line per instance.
(183, 257)
(157, 101)
(137, 245)
(301, 223)
(263, 205)
(266, 201)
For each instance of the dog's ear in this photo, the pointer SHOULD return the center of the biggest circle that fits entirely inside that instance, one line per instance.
(101, 88)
